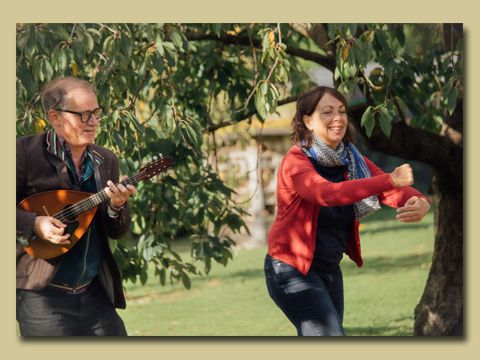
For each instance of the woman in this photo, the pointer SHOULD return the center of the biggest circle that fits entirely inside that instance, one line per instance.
(324, 187)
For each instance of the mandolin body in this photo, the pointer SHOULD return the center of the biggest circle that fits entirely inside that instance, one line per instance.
(60, 203)
(49, 203)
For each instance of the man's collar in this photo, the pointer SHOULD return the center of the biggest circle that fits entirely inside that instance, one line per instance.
(56, 145)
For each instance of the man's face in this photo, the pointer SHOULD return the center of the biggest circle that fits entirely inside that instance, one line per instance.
(69, 126)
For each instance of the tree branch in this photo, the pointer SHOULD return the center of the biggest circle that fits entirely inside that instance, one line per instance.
(413, 144)
(317, 33)
(452, 33)
(327, 62)
(244, 116)
(302, 29)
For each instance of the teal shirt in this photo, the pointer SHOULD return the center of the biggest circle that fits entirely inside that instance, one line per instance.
(81, 264)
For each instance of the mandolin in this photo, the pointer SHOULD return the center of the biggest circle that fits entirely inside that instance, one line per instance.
(76, 209)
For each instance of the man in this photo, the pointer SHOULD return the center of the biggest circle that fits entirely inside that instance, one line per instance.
(75, 293)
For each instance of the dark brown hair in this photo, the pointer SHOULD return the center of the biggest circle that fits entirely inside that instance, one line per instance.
(306, 104)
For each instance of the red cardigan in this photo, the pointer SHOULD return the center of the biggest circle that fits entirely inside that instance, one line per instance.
(301, 191)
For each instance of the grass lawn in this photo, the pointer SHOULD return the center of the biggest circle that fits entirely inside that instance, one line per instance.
(233, 301)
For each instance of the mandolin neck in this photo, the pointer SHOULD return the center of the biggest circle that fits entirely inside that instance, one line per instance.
(91, 202)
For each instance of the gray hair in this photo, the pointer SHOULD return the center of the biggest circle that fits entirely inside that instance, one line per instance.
(55, 92)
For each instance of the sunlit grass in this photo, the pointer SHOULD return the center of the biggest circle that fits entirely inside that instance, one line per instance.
(233, 301)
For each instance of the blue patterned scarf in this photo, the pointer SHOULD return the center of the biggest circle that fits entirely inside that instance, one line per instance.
(345, 155)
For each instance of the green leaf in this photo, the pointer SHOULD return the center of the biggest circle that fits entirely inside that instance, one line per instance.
(452, 100)
(55, 58)
(159, 45)
(175, 255)
(271, 98)
(143, 275)
(107, 44)
(331, 30)
(119, 140)
(126, 45)
(41, 74)
(388, 67)
(366, 115)
(142, 68)
(459, 46)
(35, 70)
(337, 73)
(177, 39)
(260, 101)
(162, 275)
(157, 62)
(274, 91)
(283, 75)
(402, 105)
(135, 122)
(353, 28)
(263, 88)
(169, 54)
(150, 134)
(208, 264)
(385, 121)
(185, 280)
(361, 53)
(398, 30)
(168, 45)
(381, 37)
(78, 48)
(48, 70)
(191, 135)
(369, 124)
(447, 89)
(94, 32)
(265, 41)
(345, 87)
(89, 41)
(63, 61)
(148, 253)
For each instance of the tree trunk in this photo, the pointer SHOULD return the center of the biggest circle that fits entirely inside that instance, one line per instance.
(440, 311)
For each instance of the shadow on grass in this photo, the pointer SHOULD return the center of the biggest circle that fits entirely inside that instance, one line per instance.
(238, 276)
(396, 226)
(385, 264)
(372, 265)
(383, 331)
(197, 282)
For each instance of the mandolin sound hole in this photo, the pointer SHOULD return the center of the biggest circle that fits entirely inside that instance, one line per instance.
(68, 217)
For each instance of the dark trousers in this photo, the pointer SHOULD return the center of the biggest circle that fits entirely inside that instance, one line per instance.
(52, 312)
(313, 303)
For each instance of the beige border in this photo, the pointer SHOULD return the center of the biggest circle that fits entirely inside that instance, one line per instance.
(231, 11)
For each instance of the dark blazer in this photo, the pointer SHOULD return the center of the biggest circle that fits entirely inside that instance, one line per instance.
(39, 170)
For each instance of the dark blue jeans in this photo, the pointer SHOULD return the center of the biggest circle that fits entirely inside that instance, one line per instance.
(313, 303)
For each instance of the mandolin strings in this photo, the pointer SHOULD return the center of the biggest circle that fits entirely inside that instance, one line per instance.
(89, 203)
(92, 201)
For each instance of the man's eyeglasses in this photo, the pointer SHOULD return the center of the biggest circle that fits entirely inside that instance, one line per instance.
(86, 115)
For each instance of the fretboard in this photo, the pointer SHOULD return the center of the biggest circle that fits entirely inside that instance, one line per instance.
(90, 202)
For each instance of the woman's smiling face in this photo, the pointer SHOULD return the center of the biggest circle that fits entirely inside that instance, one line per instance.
(328, 121)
